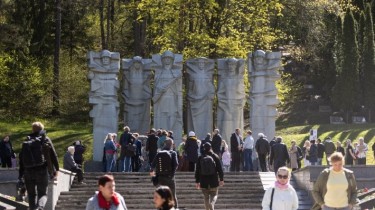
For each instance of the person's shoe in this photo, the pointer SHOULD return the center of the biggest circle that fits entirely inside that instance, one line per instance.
(81, 183)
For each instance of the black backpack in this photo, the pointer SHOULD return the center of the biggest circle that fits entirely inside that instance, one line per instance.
(33, 151)
(208, 166)
(164, 163)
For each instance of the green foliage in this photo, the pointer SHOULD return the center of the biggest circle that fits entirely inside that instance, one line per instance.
(368, 53)
(346, 90)
(21, 86)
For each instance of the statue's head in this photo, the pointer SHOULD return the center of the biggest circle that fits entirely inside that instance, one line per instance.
(232, 64)
(259, 58)
(201, 63)
(106, 57)
(167, 58)
(137, 62)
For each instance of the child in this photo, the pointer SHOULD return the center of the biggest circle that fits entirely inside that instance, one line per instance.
(226, 159)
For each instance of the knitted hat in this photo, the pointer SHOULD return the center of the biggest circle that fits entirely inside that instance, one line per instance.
(191, 133)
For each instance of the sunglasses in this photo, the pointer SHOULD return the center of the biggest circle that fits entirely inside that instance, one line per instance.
(282, 176)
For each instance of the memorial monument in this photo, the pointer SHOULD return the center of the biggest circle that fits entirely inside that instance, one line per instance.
(104, 67)
(167, 97)
(200, 96)
(263, 74)
(231, 95)
(137, 93)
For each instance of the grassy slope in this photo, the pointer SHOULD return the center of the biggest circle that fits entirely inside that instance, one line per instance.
(64, 134)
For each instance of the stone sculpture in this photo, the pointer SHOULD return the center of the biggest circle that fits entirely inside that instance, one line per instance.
(137, 93)
(200, 96)
(104, 67)
(231, 95)
(167, 97)
(263, 73)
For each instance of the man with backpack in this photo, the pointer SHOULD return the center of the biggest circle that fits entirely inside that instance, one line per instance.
(128, 150)
(38, 160)
(164, 166)
(207, 176)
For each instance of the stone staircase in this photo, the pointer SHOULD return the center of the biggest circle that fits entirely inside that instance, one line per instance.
(242, 190)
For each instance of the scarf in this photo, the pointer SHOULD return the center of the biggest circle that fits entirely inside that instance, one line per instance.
(281, 186)
(105, 204)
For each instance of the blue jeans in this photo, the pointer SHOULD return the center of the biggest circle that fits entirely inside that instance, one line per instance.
(127, 164)
(247, 154)
(109, 162)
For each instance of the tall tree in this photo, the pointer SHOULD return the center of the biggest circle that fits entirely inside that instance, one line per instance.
(368, 61)
(346, 90)
(56, 61)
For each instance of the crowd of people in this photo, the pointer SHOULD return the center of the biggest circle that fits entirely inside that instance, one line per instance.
(208, 158)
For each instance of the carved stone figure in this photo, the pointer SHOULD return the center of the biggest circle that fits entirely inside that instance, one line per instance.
(200, 96)
(137, 93)
(104, 67)
(231, 95)
(167, 96)
(263, 73)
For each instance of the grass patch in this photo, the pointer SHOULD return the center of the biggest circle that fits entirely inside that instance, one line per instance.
(63, 134)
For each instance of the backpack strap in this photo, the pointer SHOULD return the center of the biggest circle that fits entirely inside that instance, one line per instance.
(273, 191)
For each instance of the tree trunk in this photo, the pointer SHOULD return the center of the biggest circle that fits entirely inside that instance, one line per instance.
(56, 61)
(102, 32)
(108, 22)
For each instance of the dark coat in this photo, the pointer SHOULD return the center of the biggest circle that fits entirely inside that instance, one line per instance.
(262, 146)
(279, 154)
(6, 149)
(78, 153)
(216, 143)
(191, 149)
(313, 153)
(210, 181)
(206, 140)
(320, 150)
(152, 143)
(174, 162)
(234, 143)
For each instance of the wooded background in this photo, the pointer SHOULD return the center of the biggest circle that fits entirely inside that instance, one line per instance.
(328, 48)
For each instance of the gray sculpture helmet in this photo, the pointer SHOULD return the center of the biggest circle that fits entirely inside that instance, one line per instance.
(105, 53)
(259, 53)
(167, 54)
(137, 59)
(231, 61)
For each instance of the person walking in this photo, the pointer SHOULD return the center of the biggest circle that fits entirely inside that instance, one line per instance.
(335, 187)
(79, 149)
(306, 153)
(313, 153)
(350, 154)
(152, 145)
(106, 198)
(362, 150)
(191, 150)
(127, 149)
(263, 149)
(109, 151)
(329, 148)
(216, 142)
(208, 139)
(281, 196)
(339, 148)
(6, 152)
(248, 147)
(236, 147)
(136, 159)
(279, 154)
(209, 176)
(38, 159)
(164, 167)
(293, 154)
(163, 198)
(71, 165)
(320, 152)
